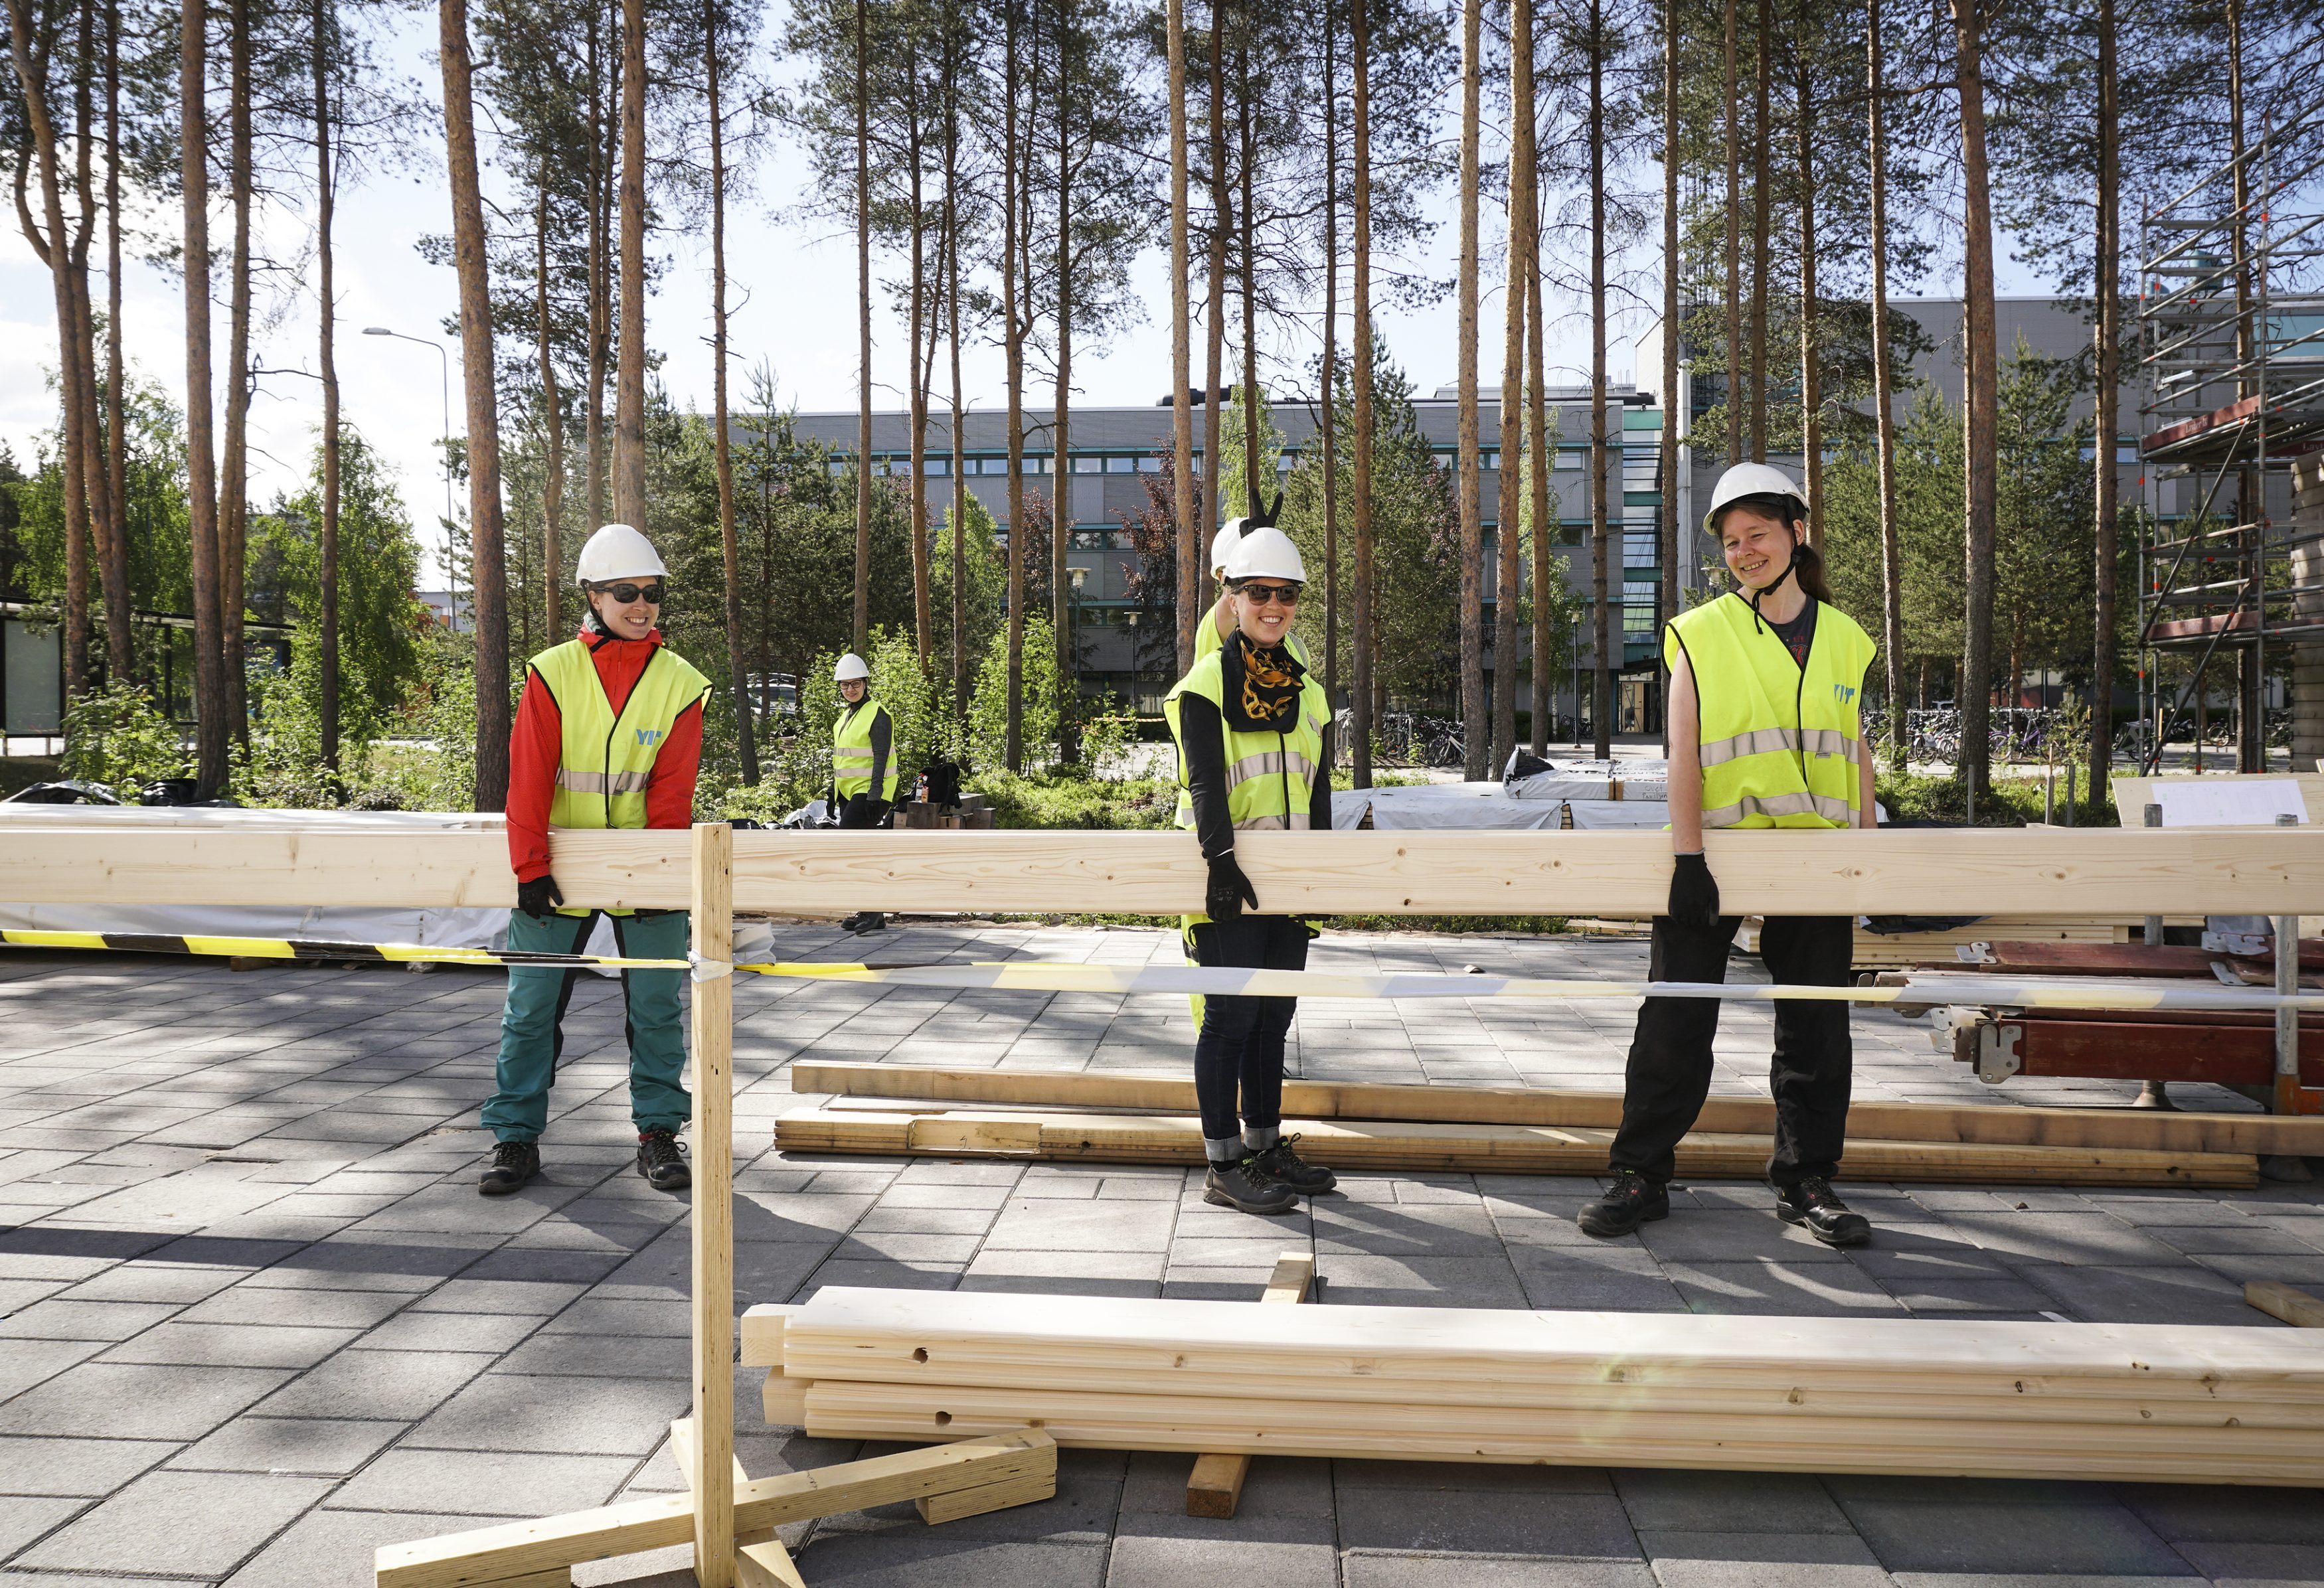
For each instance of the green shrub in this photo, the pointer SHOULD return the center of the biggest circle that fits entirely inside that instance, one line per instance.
(116, 736)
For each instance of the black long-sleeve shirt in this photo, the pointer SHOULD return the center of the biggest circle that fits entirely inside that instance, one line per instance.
(1203, 735)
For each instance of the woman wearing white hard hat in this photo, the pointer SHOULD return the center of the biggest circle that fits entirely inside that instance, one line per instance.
(1766, 685)
(1210, 636)
(862, 764)
(1253, 734)
(608, 734)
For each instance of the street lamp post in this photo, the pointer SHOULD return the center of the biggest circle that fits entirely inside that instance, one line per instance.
(443, 360)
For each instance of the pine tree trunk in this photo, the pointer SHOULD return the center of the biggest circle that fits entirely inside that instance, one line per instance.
(1762, 182)
(1181, 417)
(55, 251)
(917, 489)
(1477, 758)
(1329, 422)
(1609, 622)
(738, 676)
(1061, 514)
(1811, 354)
(552, 408)
(2251, 501)
(1731, 115)
(121, 635)
(2105, 287)
(1980, 398)
(964, 671)
(1508, 535)
(603, 134)
(1884, 406)
(630, 383)
(1013, 353)
(1215, 330)
(1361, 507)
(234, 490)
(1537, 480)
(1251, 460)
(202, 457)
(327, 365)
(104, 529)
(1667, 524)
(862, 626)
(487, 585)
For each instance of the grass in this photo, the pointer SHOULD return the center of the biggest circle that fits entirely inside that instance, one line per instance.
(2012, 802)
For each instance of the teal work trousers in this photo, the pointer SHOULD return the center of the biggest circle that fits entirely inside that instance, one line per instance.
(532, 1034)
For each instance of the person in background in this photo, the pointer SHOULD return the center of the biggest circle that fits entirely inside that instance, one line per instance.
(1766, 685)
(862, 765)
(1253, 734)
(608, 734)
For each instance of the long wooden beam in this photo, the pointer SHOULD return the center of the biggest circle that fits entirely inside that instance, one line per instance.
(2026, 872)
(1486, 1148)
(1996, 1125)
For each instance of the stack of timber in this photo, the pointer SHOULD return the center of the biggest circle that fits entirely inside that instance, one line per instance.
(903, 1109)
(1906, 1398)
(1898, 951)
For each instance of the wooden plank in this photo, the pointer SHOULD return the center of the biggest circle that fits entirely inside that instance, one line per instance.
(486, 1555)
(1214, 1488)
(759, 1338)
(1991, 1124)
(2296, 1308)
(765, 1564)
(783, 1400)
(561, 1577)
(970, 1502)
(2076, 873)
(1110, 1138)
(1620, 1437)
(712, 906)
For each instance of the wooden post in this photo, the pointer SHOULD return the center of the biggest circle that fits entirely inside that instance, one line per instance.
(714, 1209)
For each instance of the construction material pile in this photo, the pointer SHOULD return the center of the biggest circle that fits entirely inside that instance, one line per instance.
(1910, 1398)
(1132, 1118)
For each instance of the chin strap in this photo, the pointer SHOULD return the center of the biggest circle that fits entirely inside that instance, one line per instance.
(1791, 565)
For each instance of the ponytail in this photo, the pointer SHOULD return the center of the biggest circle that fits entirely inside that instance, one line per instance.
(1807, 568)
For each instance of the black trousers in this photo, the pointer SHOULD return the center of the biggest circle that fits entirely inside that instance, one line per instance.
(1239, 1044)
(1669, 1071)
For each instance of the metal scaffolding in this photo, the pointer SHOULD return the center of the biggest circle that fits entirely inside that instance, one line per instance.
(2230, 358)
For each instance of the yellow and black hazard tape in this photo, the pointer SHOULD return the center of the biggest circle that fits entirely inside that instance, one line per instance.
(1055, 976)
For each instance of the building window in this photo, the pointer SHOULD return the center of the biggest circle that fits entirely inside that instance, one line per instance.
(1121, 465)
(935, 465)
(1490, 458)
(1640, 551)
(835, 466)
(1149, 464)
(1089, 466)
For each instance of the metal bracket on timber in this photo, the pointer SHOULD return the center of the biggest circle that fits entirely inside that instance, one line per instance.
(2296, 1308)
(1214, 1488)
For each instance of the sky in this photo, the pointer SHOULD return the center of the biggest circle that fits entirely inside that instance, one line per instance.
(792, 303)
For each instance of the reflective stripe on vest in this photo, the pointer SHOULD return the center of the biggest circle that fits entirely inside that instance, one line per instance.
(1271, 776)
(607, 758)
(852, 755)
(1779, 744)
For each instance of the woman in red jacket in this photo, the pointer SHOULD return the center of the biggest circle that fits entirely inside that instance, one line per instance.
(608, 734)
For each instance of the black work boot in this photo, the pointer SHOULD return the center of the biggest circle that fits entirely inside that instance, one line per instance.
(1279, 1161)
(662, 1162)
(852, 923)
(1248, 1189)
(513, 1163)
(1812, 1206)
(1630, 1201)
(871, 920)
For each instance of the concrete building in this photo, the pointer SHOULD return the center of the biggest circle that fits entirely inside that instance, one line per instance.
(1112, 448)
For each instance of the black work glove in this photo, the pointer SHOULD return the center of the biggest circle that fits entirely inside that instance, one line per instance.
(746, 824)
(875, 810)
(540, 897)
(1693, 893)
(1229, 891)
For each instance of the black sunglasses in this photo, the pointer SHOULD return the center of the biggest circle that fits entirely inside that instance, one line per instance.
(1261, 594)
(625, 592)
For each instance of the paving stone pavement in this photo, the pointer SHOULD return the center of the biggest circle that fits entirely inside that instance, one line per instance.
(254, 1322)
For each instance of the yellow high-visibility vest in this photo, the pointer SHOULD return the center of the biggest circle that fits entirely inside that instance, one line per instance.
(850, 750)
(608, 754)
(1780, 742)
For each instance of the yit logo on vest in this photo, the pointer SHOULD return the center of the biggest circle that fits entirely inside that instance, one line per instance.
(648, 737)
(1843, 693)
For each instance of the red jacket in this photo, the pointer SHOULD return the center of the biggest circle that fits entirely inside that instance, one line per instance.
(538, 741)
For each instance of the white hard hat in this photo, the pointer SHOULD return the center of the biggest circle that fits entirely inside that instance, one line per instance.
(618, 552)
(1266, 552)
(1744, 480)
(1222, 545)
(850, 665)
